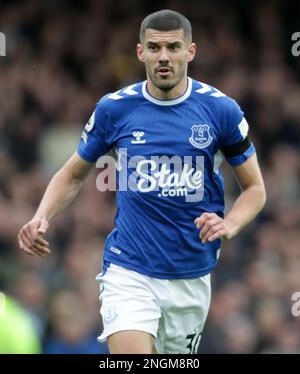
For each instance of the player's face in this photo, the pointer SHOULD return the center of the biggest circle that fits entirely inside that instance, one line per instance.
(166, 55)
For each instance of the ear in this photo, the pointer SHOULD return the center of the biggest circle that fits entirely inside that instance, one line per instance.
(191, 52)
(139, 52)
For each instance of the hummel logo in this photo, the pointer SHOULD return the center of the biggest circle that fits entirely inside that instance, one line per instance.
(138, 135)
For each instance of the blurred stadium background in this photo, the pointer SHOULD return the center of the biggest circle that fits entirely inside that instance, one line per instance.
(62, 56)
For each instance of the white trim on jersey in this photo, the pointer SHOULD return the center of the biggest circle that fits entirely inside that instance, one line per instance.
(243, 127)
(179, 100)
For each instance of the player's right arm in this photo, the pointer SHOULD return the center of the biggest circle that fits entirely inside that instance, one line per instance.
(61, 191)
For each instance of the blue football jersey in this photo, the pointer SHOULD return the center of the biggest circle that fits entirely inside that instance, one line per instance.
(169, 157)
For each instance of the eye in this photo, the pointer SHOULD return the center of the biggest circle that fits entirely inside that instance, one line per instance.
(174, 47)
(152, 47)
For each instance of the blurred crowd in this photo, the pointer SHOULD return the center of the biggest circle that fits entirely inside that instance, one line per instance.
(62, 56)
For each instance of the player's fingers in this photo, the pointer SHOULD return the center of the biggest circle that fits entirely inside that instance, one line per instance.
(202, 217)
(24, 248)
(208, 226)
(27, 242)
(34, 244)
(204, 229)
(22, 245)
(217, 235)
(40, 249)
(39, 252)
(41, 241)
(31, 248)
(212, 230)
(26, 236)
(199, 221)
(31, 233)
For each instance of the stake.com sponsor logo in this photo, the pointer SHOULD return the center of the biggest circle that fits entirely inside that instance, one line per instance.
(168, 176)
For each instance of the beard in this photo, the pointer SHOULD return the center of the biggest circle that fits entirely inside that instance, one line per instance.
(165, 83)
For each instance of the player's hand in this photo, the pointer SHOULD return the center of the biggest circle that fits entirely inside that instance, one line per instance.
(212, 227)
(31, 238)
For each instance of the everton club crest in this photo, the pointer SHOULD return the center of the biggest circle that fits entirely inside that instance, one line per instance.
(200, 137)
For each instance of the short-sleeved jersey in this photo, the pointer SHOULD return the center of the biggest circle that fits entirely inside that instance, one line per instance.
(169, 156)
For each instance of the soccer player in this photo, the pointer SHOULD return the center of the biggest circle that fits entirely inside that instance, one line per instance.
(170, 133)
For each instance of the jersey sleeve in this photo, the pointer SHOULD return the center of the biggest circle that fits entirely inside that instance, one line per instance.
(93, 142)
(235, 143)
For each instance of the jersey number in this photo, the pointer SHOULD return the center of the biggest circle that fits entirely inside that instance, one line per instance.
(194, 340)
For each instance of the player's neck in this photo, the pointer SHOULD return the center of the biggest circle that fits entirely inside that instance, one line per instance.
(172, 94)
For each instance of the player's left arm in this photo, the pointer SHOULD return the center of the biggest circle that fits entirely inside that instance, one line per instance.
(246, 207)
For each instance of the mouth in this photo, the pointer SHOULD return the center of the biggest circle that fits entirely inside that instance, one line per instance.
(163, 71)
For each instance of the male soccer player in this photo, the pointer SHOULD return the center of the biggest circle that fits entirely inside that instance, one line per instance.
(170, 133)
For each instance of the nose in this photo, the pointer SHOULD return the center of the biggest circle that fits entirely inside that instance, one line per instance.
(164, 57)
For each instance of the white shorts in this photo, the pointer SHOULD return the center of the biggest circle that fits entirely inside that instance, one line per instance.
(173, 311)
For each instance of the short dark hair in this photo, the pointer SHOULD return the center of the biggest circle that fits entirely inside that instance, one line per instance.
(166, 20)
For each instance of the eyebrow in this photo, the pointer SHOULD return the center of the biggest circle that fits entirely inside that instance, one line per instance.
(151, 43)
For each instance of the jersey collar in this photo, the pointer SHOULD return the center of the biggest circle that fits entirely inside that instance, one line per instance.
(176, 101)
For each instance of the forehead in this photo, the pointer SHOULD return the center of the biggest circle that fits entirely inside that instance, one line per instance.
(163, 36)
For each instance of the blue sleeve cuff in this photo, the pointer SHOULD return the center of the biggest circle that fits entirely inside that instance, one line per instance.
(86, 157)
